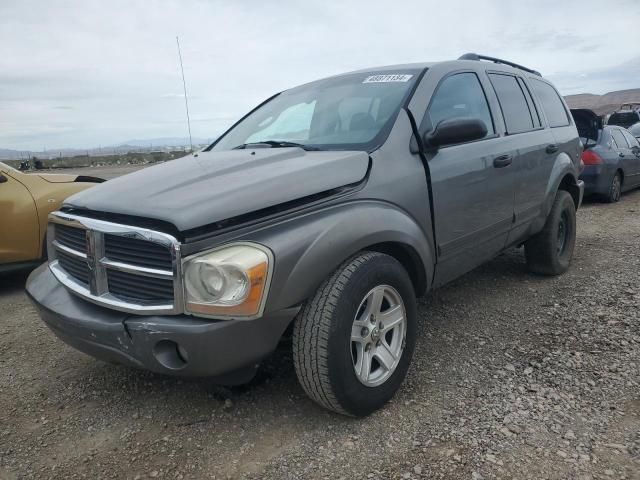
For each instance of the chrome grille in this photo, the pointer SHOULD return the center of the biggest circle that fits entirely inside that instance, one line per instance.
(75, 266)
(127, 285)
(137, 252)
(123, 267)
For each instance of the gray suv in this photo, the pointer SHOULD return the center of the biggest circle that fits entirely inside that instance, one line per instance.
(322, 214)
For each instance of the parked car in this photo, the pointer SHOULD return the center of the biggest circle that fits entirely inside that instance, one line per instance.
(25, 202)
(611, 157)
(627, 116)
(635, 130)
(328, 209)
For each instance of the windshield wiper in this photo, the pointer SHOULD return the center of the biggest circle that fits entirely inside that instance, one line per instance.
(276, 144)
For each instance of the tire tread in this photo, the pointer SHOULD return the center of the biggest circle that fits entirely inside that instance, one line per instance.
(311, 334)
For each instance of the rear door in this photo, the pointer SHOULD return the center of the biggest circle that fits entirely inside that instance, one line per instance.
(634, 158)
(472, 183)
(626, 158)
(525, 134)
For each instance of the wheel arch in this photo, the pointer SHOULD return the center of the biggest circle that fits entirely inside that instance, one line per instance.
(310, 248)
(408, 258)
(570, 185)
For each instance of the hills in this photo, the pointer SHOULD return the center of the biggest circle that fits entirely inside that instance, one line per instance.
(603, 104)
(135, 145)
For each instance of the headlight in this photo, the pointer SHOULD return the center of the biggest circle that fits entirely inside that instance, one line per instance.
(228, 282)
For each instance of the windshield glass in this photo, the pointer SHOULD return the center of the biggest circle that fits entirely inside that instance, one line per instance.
(623, 119)
(348, 112)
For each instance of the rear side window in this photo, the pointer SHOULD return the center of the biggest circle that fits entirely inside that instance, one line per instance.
(623, 119)
(619, 138)
(458, 96)
(515, 110)
(551, 103)
(532, 106)
(631, 140)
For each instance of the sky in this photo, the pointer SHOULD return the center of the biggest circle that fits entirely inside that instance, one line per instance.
(84, 73)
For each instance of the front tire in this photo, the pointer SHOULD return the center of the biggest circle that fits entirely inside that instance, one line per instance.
(353, 341)
(549, 252)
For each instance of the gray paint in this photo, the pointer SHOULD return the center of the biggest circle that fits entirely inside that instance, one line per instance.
(477, 210)
(211, 186)
(598, 178)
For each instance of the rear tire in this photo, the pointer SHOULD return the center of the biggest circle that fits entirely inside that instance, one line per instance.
(549, 252)
(615, 189)
(354, 339)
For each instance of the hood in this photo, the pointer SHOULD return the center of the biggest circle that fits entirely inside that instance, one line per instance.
(66, 178)
(588, 123)
(212, 186)
(57, 177)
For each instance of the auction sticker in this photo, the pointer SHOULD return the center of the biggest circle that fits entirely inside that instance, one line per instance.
(388, 78)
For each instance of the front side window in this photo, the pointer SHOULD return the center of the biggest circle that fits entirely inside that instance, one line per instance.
(551, 104)
(513, 103)
(352, 111)
(458, 96)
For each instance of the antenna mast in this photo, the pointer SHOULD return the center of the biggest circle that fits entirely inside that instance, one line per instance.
(186, 103)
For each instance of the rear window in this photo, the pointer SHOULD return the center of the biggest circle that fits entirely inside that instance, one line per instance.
(631, 140)
(623, 119)
(513, 103)
(551, 103)
(619, 138)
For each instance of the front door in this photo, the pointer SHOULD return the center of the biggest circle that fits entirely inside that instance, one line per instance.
(472, 183)
(19, 230)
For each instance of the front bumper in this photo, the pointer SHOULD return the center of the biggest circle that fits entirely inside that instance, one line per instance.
(171, 344)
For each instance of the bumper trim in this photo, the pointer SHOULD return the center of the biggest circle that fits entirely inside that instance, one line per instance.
(209, 348)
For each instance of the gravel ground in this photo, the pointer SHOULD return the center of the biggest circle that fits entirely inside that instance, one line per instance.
(514, 376)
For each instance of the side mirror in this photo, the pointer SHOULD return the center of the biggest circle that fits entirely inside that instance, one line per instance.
(3, 179)
(636, 150)
(455, 130)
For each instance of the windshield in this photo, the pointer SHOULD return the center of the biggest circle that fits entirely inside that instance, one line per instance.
(354, 111)
(623, 119)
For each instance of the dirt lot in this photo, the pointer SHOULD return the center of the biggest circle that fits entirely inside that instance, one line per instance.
(514, 376)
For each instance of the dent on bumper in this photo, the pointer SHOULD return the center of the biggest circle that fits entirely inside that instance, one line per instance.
(176, 345)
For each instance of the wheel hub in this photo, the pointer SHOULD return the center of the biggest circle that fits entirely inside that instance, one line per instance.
(378, 335)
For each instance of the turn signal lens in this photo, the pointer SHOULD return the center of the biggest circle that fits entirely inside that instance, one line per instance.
(227, 282)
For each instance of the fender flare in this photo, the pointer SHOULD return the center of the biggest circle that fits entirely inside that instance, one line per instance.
(563, 173)
(309, 248)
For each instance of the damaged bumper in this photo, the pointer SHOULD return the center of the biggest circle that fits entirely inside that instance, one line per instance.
(172, 344)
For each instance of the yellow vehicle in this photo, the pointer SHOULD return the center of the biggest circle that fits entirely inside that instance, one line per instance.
(25, 203)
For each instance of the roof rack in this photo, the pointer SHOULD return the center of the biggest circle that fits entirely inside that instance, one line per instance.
(475, 56)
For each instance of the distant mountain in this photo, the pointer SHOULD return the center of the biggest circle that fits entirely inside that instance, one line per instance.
(144, 145)
(603, 104)
(164, 142)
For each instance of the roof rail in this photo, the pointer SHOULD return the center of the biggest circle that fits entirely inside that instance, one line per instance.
(475, 56)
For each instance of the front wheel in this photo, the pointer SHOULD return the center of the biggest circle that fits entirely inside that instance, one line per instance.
(549, 252)
(353, 341)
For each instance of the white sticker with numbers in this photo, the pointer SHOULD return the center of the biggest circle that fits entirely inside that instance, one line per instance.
(397, 77)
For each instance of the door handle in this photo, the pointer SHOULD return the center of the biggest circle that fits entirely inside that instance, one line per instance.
(502, 161)
(553, 148)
